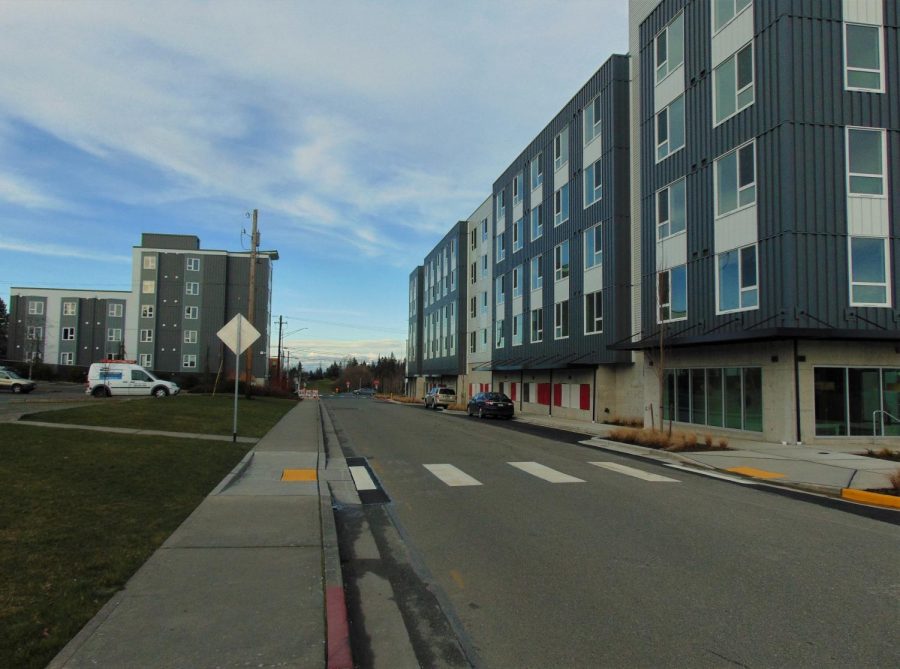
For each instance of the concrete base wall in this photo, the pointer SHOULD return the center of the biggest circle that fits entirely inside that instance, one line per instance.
(472, 378)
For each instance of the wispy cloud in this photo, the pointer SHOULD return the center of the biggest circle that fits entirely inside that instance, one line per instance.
(314, 351)
(18, 191)
(59, 251)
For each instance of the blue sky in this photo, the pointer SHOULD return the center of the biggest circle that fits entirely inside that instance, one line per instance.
(361, 131)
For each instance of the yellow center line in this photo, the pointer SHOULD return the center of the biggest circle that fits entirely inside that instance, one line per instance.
(756, 473)
(458, 579)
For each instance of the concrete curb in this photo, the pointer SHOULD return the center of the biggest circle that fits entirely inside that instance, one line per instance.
(234, 474)
(866, 497)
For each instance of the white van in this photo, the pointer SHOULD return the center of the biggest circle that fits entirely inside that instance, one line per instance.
(124, 377)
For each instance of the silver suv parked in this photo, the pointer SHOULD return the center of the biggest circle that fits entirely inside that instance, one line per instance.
(440, 397)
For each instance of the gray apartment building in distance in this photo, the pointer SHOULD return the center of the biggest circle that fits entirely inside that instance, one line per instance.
(725, 195)
(181, 296)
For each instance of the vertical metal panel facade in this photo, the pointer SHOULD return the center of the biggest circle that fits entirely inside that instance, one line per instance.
(449, 364)
(414, 362)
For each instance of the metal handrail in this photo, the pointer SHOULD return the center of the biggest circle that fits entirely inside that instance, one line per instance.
(875, 425)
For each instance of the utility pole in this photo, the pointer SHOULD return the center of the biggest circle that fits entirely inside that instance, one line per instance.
(251, 303)
(280, 325)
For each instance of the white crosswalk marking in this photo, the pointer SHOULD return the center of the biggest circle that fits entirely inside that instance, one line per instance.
(636, 473)
(451, 475)
(545, 473)
(362, 479)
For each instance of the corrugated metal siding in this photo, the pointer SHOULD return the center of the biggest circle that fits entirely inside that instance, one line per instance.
(450, 364)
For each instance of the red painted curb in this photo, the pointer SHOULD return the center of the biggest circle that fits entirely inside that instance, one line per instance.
(339, 654)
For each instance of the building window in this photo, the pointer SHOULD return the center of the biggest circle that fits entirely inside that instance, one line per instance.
(192, 288)
(145, 360)
(736, 180)
(69, 308)
(190, 336)
(670, 48)
(189, 361)
(149, 262)
(537, 173)
(36, 308)
(473, 238)
(501, 207)
(537, 273)
(593, 189)
(725, 10)
(733, 84)
(593, 313)
(517, 281)
(67, 358)
(518, 236)
(501, 247)
(561, 149)
(737, 280)
(148, 287)
(484, 339)
(849, 401)
(561, 261)
(68, 334)
(500, 290)
(592, 120)
(517, 189)
(670, 129)
(537, 222)
(561, 320)
(115, 310)
(729, 397)
(34, 332)
(192, 264)
(484, 302)
(672, 294)
(146, 311)
(484, 265)
(473, 272)
(146, 336)
(863, 48)
(192, 312)
(865, 161)
(537, 325)
(593, 246)
(561, 205)
(114, 334)
(868, 272)
(484, 229)
(473, 306)
(499, 339)
(670, 210)
(517, 330)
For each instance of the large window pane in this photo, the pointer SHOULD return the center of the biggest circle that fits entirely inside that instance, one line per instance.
(676, 192)
(683, 403)
(891, 401)
(863, 47)
(868, 259)
(830, 401)
(865, 159)
(729, 289)
(726, 89)
(864, 398)
(698, 396)
(733, 402)
(753, 413)
(714, 397)
(678, 287)
(726, 178)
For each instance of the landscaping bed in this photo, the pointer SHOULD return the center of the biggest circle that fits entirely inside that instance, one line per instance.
(675, 441)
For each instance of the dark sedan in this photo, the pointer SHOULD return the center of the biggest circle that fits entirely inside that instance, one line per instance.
(490, 404)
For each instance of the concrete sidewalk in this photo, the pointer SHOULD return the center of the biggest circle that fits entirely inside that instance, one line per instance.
(244, 580)
(832, 470)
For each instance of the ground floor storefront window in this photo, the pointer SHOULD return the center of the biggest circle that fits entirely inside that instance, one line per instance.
(857, 401)
(720, 397)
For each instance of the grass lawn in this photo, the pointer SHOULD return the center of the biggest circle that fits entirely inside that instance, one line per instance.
(182, 413)
(80, 511)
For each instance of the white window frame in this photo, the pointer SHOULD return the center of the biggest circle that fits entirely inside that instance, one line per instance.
(499, 336)
(536, 333)
(847, 68)
(34, 332)
(517, 326)
(149, 262)
(664, 69)
(667, 223)
(597, 324)
(886, 284)
(190, 337)
(537, 278)
(473, 238)
(67, 358)
(719, 72)
(501, 206)
(561, 271)
(35, 308)
(67, 333)
(147, 311)
(114, 310)
(536, 213)
(669, 148)
(738, 8)
(561, 149)
(518, 234)
(145, 360)
(146, 336)
(593, 258)
(484, 229)
(561, 319)
(500, 242)
(473, 344)
(192, 288)
(113, 334)
(591, 123)
(484, 265)
(742, 291)
(192, 313)
(148, 287)
(882, 176)
(517, 188)
(189, 361)
(192, 264)
(70, 308)
(593, 192)
(560, 216)
(536, 171)
(484, 302)
(500, 289)
(668, 305)
(740, 189)
(517, 281)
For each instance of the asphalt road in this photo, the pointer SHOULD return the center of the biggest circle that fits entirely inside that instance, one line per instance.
(613, 570)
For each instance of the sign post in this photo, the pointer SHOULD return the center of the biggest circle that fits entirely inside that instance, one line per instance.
(238, 334)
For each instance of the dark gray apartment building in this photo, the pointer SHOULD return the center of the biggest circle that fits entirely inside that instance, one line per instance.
(415, 333)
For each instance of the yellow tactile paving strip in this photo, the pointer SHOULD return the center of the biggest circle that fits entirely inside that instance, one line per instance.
(756, 473)
(891, 501)
(298, 475)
